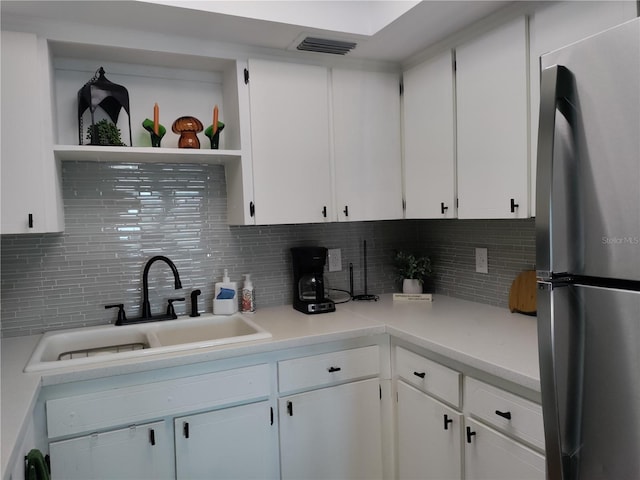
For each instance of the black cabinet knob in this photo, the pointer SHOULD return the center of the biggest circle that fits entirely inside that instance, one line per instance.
(447, 421)
(470, 434)
(506, 415)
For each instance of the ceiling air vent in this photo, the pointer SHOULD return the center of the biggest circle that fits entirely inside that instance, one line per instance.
(323, 45)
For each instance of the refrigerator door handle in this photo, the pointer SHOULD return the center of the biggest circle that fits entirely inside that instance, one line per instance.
(556, 93)
(548, 382)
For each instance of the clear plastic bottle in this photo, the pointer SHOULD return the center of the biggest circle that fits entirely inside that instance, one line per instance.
(248, 299)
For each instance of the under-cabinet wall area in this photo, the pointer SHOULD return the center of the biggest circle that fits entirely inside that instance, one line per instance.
(118, 215)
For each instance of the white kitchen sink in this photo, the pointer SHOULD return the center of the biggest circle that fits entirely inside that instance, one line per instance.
(100, 344)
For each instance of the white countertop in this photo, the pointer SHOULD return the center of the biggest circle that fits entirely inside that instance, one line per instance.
(486, 338)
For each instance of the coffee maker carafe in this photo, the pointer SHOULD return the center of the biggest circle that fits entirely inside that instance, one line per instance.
(308, 280)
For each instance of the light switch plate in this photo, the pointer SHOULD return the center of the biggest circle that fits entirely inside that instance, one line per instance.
(482, 260)
(335, 260)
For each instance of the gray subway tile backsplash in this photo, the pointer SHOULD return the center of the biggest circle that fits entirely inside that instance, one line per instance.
(117, 216)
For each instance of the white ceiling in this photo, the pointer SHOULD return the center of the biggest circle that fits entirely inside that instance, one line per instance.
(385, 30)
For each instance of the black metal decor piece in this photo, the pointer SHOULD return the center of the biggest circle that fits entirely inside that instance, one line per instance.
(110, 97)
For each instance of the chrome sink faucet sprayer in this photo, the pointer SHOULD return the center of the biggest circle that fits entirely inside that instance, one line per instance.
(146, 307)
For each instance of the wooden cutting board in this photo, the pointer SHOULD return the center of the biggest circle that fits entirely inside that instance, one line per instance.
(522, 296)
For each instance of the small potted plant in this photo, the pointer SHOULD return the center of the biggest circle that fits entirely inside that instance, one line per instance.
(412, 270)
(104, 133)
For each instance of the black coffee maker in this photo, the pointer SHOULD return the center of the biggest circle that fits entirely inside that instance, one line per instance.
(308, 280)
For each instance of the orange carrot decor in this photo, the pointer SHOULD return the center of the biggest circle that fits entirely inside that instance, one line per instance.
(156, 119)
(214, 127)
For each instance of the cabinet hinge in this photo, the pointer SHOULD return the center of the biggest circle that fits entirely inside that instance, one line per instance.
(401, 88)
(246, 76)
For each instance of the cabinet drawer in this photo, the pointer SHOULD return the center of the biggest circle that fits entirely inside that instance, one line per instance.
(121, 406)
(429, 376)
(318, 370)
(507, 412)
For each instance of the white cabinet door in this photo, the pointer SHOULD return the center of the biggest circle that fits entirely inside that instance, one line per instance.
(31, 195)
(429, 139)
(366, 133)
(332, 433)
(492, 118)
(137, 452)
(429, 437)
(233, 443)
(558, 24)
(290, 142)
(490, 455)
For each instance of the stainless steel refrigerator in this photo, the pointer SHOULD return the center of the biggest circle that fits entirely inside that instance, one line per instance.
(588, 256)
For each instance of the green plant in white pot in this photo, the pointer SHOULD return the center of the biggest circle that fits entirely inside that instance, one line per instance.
(412, 270)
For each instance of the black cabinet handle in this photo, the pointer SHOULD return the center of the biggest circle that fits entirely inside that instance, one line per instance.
(470, 434)
(346, 210)
(252, 209)
(185, 429)
(290, 408)
(514, 205)
(324, 211)
(152, 436)
(31, 220)
(443, 208)
(447, 421)
(271, 408)
(333, 369)
(420, 374)
(506, 415)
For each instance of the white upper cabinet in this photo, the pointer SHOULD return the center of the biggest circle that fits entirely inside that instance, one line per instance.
(367, 149)
(31, 190)
(290, 142)
(492, 124)
(429, 139)
(555, 25)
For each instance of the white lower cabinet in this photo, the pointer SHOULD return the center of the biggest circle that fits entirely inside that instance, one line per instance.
(141, 431)
(136, 452)
(229, 443)
(491, 435)
(489, 455)
(331, 429)
(429, 437)
(332, 433)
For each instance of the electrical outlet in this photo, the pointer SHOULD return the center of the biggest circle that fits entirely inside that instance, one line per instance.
(482, 261)
(335, 260)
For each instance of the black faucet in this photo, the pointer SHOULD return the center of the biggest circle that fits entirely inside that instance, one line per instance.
(146, 307)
